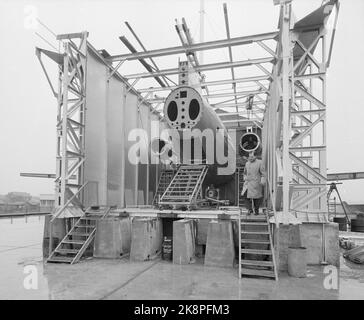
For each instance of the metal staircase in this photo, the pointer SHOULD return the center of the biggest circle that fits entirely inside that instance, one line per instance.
(256, 251)
(185, 189)
(78, 239)
(164, 181)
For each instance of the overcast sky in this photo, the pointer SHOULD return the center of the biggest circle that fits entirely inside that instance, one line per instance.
(28, 110)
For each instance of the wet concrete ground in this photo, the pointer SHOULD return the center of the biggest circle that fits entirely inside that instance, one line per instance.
(20, 245)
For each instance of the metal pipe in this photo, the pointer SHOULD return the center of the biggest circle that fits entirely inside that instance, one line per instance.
(195, 47)
(141, 44)
(142, 61)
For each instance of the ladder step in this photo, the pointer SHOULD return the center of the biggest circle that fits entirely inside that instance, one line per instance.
(258, 263)
(257, 251)
(81, 234)
(255, 232)
(254, 223)
(257, 272)
(66, 251)
(60, 259)
(176, 197)
(253, 219)
(85, 226)
(80, 242)
(254, 241)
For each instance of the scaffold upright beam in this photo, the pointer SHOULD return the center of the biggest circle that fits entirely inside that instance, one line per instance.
(71, 119)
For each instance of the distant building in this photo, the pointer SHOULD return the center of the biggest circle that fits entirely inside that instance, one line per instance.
(18, 202)
(46, 202)
(2, 206)
(18, 197)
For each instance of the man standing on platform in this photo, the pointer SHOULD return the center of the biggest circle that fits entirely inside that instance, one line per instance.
(254, 180)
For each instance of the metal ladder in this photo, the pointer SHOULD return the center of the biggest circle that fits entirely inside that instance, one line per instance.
(185, 189)
(78, 239)
(165, 179)
(256, 251)
(240, 179)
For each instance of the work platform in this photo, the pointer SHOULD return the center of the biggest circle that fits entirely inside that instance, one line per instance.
(229, 213)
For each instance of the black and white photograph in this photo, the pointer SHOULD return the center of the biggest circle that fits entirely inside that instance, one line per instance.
(181, 155)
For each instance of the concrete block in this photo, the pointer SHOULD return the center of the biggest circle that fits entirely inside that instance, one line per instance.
(58, 227)
(146, 238)
(220, 250)
(310, 236)
(235, 225)
(113, 238)
(202, 227)
(317, 236)
(199, 250)
(284, 237)
(58, 233)
(183, 241)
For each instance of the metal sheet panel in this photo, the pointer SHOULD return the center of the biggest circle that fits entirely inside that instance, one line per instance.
(110, 119)
(115, 152)
(95, 133)
(130, 122)
(143, 176)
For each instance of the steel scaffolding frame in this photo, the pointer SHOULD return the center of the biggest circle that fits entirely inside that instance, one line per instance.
(284, 89)
(71, 118)
(71, 98)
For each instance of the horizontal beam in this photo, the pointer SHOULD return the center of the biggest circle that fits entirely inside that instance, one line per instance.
(308, 185)
(41, 175)
(189, 49)
(233, 105)
(210, 83)
(345, 176)
(206, 67)
(309, 76)
(68, 36)
(307, 149)
(217, 95)
(239, 120)
(303, 112)
(229, 94)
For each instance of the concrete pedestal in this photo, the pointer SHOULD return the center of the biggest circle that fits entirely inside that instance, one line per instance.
(201, 231)
(320, 239)
(322, 242)
(146, 238)
(220, 244)
(284, 237)
(113, 238)
(58, 233)
(183, 241)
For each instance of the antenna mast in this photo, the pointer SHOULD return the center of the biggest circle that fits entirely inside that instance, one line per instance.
(202, 23)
